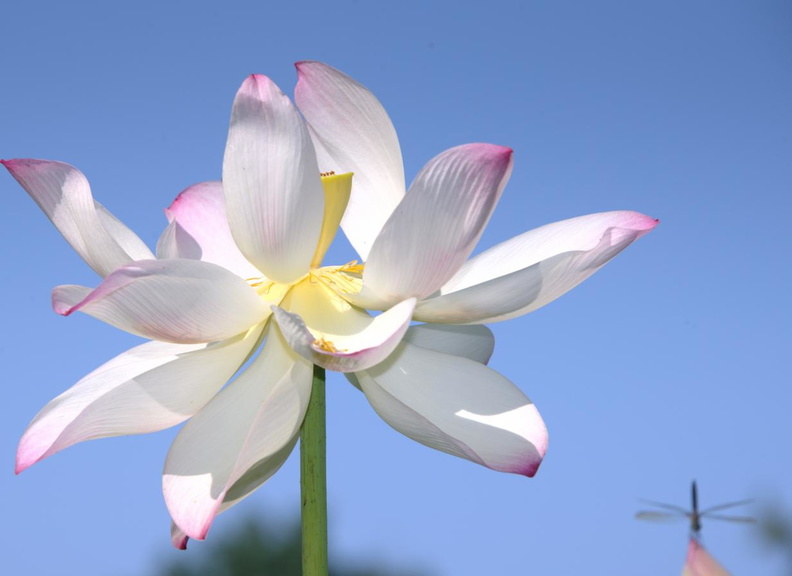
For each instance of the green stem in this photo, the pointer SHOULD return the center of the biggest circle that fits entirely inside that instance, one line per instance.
(313, 481)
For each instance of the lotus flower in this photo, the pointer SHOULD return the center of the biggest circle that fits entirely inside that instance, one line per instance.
(700, 563)
(238, 275)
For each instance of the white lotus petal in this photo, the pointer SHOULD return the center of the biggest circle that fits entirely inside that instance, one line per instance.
(533, 269)
(198, 230)
(352, 133)
(474, 342)
(148, 388)
(64, 195)
(239, 439)
(181, 301)
(457, 406)
(435, 228)
(273, 192)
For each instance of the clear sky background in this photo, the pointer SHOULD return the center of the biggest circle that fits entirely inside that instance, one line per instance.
(670, 364)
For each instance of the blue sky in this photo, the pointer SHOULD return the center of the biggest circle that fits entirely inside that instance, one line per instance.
(668, 365)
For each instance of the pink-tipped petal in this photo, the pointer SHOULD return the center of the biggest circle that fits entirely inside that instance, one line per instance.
(700, 563)
(178, 538)
(458, 406)
(273, 191)
(199, 230)
(239, 439)
(64, 195)
(533, 269)
(181, 301)
(353, 133)
(372, 340)
(435, 228)
(148, 388)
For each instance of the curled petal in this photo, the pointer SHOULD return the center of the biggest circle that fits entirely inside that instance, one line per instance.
(64, 195)
(148, 388)
(525, 273)
(199, 230)
(700, 563)
(181, 301)
(332, 334)
(457, 406)
(239, 439)
(352, 133)
(435, 228)
(273, 192)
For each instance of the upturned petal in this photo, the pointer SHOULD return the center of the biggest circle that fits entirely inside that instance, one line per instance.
(64, 195)
(181, 301)
(700, 563)
(274, 196)
(352, 133)
(525, 273)
(435, 228)
(148, 388)
(239, 439)
(457, 406)
(199, 230)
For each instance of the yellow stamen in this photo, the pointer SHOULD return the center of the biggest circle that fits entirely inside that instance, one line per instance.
(326, 346)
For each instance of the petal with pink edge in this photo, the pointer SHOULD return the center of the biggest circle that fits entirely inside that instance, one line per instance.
(199, 230)
(239, 439)
(435, 228)
(457, 406)
(700, 563)
(352, 133)
(525, 273)
(181, 301)
(148, 388)
(64, 195)
(273, 191)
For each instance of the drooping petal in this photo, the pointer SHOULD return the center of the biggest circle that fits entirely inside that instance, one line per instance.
(457, 406)
(181, 301)
(239, 439)
(532, 269)
(148, 388)
(274, 196)
(435, 228)
(700, 563)
(474, 342)
(199, 230)
(64, 195)
(331, 333)
(353, 133)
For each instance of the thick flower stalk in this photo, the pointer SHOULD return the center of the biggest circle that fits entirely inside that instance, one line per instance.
(238, 275)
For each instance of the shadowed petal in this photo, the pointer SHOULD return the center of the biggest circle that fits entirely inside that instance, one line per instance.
(239, 439)
(474, 342)
(352, 133)
(457, 406)
(181, 301)
(148, 388)
(273, 192)
(64, 195)
(199, 230)
(533, 269)
(435, 228)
